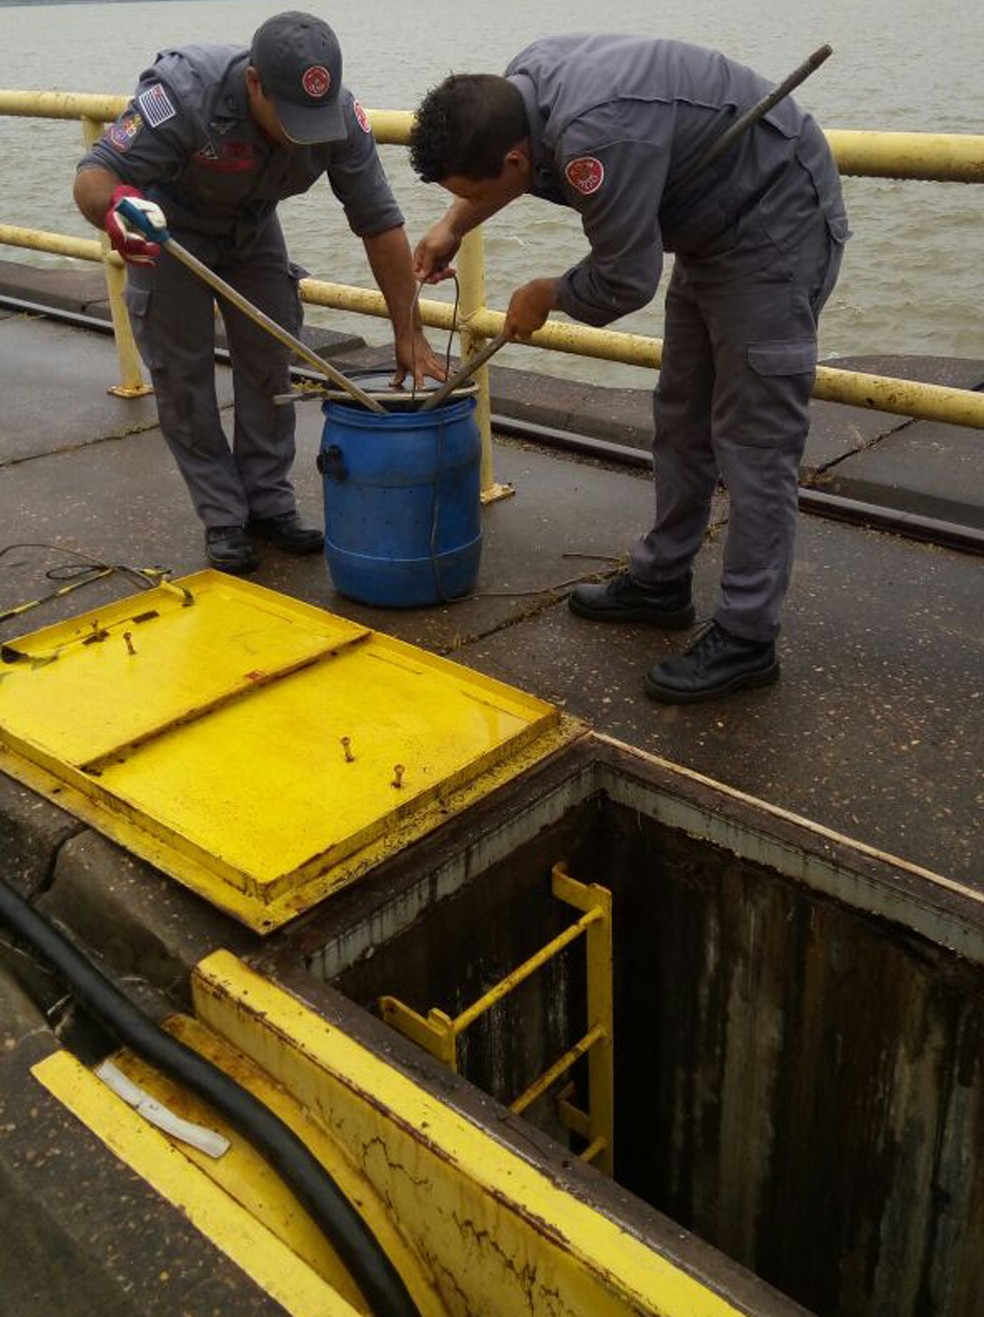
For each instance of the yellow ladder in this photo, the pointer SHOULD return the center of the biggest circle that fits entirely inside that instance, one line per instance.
(438, 1033)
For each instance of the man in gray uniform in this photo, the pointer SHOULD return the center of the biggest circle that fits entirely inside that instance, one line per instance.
(213, 138)
(610, 126)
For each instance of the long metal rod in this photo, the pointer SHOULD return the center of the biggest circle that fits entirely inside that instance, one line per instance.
(505, 986)
(134, 215)
(837, 507)
(750, 116)
(271, 326)
(716, 149)
(463, 373)
(559, 1067)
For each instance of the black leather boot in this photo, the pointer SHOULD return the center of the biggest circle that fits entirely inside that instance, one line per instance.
(230, 549)
(620, 599)
(286, 531)
(716, 664)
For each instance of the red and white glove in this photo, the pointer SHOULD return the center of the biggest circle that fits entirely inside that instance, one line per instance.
(131, 244)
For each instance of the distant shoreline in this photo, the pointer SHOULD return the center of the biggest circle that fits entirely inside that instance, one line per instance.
(34, 4)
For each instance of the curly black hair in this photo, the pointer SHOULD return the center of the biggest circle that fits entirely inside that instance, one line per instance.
(465, 126)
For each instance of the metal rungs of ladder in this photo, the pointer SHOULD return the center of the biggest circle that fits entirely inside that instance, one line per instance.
(438, 1032)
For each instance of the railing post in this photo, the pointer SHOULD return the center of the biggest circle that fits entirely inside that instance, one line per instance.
(131, 383)
(471, 274)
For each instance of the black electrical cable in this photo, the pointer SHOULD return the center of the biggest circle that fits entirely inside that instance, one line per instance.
(370, 1268)
(80, 573)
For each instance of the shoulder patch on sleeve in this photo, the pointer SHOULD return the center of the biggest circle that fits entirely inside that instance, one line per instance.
(156, 105)
(585, 174)
(122, 133)
(362, 117)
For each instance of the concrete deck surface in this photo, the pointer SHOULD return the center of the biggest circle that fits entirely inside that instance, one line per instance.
(875, 730)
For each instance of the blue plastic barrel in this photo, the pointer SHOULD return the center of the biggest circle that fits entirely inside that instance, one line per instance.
(402, 502)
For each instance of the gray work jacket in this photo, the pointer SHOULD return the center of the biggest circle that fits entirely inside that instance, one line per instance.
(188, 141)
(615, 121)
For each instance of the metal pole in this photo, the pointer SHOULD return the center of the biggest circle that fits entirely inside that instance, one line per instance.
(469, 368)
(136, 216)
(745, 120)
(271, 326)
(131, 383)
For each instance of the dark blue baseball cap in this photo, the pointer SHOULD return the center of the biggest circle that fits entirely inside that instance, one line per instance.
(299, 61)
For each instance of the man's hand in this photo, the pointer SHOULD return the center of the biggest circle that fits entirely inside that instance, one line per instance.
(434, 253)
(126, 238)
(528, 309)
(415, 357)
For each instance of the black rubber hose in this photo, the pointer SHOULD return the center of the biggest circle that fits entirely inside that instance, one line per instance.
(369, 1266)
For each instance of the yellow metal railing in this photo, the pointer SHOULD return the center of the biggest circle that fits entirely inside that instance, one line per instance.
(936, 157)
(438, 1032)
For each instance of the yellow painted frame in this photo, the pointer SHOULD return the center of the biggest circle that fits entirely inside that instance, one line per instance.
(263, 1255)
(499, 1236)
(472, 1226)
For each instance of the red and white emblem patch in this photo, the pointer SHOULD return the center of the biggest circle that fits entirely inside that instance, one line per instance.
(316, 80)
(362, 117)
(586, 174)
(124, 130)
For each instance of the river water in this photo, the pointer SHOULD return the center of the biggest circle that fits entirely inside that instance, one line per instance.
(913, 276)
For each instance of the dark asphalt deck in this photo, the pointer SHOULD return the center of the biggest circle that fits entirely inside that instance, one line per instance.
(876, 728)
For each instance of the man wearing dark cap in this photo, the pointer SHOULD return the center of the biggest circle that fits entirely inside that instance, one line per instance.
(213, 139)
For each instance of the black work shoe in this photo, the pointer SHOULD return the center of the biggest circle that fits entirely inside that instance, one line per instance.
(230, 549)
(620, 599)
(287, 532)
(717, 663)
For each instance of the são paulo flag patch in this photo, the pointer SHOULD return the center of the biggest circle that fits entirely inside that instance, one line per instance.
(155, 105)
(586, 174)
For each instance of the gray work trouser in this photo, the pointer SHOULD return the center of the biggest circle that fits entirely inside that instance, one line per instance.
(173, 320)
(739, 363)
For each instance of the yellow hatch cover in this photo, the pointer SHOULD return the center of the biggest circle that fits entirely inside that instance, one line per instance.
(262, 751)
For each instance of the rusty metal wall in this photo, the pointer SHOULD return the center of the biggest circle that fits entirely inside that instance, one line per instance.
(800, 1084)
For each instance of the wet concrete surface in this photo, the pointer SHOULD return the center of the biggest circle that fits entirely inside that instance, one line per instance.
(929, 468)
(44, 361)
(875, 729)
(83, 1233)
